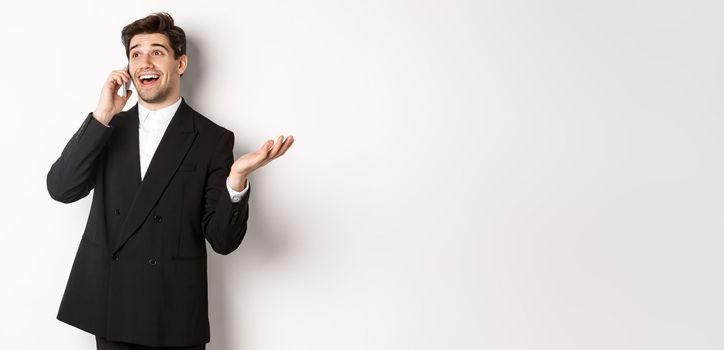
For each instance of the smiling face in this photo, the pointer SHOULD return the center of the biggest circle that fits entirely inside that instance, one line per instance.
(155, 72)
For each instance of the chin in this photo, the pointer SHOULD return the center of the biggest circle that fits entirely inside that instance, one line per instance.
(153, 98)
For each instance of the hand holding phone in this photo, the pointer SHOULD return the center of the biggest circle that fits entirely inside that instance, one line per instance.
(110, 103)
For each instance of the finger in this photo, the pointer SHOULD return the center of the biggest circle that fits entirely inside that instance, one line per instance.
(287, 143)
(266, 145)
(117, 80)
(277, 147)
(263, 151)
(125, 73)
(282, 147)
(111, 80)
(123, 76)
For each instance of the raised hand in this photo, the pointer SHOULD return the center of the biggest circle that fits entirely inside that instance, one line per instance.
(110, 103)
(251, 161)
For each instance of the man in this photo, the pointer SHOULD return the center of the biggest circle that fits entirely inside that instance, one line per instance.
(164, 182)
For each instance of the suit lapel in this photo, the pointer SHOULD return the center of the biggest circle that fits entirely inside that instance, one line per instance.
(171, 151)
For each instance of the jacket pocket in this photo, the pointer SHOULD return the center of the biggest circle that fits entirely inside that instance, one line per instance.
(187, 167)
(192, 257)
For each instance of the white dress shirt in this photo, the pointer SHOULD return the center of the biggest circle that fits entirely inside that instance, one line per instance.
(151, 127)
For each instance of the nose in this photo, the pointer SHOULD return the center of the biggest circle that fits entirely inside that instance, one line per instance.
(144, 61)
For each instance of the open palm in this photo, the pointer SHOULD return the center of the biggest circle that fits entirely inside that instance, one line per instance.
(268, 151)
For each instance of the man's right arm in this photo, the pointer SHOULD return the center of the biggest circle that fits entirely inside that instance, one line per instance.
(72, 176)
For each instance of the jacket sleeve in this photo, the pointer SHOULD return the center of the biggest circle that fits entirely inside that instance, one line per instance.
(72, 176)
(224, 222)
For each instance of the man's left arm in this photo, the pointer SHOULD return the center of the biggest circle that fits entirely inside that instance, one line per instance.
(224, 221)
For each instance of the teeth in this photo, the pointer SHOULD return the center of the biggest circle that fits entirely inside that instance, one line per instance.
(148, 76)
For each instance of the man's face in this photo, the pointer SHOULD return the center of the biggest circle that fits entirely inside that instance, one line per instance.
(155, 73)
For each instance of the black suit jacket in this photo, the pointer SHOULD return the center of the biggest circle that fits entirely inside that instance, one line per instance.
(139, 275)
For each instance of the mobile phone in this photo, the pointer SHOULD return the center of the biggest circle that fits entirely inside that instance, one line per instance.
(126, 85)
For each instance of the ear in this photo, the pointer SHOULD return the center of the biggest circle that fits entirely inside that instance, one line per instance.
(183, 62)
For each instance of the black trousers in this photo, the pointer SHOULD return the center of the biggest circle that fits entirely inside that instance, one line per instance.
(104, 344)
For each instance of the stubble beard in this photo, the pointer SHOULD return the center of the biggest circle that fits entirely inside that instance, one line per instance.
(154, 96)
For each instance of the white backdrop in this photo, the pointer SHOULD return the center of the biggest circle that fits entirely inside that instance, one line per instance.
(466, 174)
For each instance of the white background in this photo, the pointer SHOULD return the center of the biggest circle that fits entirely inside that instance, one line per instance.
(467, 174)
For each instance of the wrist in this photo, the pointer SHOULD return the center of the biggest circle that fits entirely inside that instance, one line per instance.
(237, 182)
(102, 117)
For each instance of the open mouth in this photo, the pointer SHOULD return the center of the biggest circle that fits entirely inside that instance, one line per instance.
(148, 79)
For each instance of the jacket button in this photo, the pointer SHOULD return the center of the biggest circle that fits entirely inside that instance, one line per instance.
(152, 262)
(118, 211)
(115, 257)
(157, 218)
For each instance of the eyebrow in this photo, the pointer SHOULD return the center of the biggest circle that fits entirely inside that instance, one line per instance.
(154, 44)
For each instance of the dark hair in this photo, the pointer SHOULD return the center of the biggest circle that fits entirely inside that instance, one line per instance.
(160, 22)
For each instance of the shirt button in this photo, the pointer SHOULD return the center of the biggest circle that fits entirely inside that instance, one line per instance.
(152, 262)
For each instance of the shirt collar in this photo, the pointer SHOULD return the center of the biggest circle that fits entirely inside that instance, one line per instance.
(162, 115)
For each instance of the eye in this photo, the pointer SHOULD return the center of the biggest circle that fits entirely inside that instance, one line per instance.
(157, 52)
(135, 54)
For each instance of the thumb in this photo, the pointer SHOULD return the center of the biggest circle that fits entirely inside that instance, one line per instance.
(266, 146)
